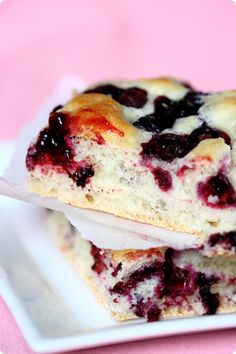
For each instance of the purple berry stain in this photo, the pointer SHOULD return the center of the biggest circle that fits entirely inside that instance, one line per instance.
(116, 269)
(162, 178)
(54, 148)
(99, 265)
(176, 280)
(210, 301)
(226, 239)
(173, 283)
(217, 192)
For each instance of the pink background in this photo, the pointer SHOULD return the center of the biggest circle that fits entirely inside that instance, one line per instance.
(42, 40)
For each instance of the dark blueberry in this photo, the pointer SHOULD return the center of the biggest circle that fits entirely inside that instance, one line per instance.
(205, 132)
(146, 309)
(99, 265)
(220, 187)
(166, 147)
(139, 275)
(110, 90)
(119, 288)
(146, 272)
(51, 145)
(153, 314)
(210, 301)
(224, 136)
(124, 288)
(187, 85)
(189, 104)
(57, 108)
(58, 120)
(166, 112)
(227, 240)
(176, 280)
(164, 106)
(162, 118)
(116, 269)
(133, 97)
(82, 175)
(149, 123)
(139, 308)
(55, 148)
(232, 237)
(130, 97)
(203, 280)
(162, 178)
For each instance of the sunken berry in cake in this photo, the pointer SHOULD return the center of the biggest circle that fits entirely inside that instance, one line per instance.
(154, 283)
(155, 151)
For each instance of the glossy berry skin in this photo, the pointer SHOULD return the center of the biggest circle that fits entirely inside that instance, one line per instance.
(131, 97)
(176, 280)
(54, 148)
(166, 111)
(57, 108)
(99, 265)
(169, 146)
(166, 147)
(217, 192)
(226, 239)
(209, 300)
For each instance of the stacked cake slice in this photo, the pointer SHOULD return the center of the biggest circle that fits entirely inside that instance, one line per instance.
(153, 151)
(154, 283)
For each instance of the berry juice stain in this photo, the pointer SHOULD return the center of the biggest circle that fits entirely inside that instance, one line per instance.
(54, 149)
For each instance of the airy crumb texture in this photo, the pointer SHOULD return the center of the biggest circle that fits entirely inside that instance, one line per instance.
(155, 151)
(152, 284)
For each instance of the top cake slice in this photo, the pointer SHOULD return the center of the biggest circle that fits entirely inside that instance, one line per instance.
(154, 151)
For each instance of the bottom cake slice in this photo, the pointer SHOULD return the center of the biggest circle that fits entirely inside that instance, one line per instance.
(154, 283)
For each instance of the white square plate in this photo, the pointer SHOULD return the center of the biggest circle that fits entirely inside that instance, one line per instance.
(53, 307)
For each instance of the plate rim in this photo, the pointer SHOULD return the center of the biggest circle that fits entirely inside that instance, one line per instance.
(138, 332)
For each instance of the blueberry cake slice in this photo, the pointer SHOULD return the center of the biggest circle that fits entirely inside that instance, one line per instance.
(152, 284)
(154, 151)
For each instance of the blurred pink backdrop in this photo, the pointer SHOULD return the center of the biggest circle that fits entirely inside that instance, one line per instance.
(42, 40)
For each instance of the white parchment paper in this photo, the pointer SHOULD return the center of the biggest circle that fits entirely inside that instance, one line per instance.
(104, 230)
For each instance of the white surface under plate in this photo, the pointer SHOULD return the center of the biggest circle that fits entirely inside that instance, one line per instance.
(52, 306)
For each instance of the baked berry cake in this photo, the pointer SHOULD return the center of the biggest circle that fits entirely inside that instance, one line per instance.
(154, 151)
(154, 283)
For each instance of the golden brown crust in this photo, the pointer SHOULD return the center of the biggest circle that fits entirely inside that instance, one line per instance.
(96, 113)
(167, 85)
(210, 149)
(223, 101)
(134, 255)
(219, 111)
(132, 179)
